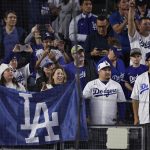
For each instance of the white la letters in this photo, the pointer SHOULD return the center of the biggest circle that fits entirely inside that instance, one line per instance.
(36, 125)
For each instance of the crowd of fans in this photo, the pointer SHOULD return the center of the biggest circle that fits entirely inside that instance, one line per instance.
(111, 50)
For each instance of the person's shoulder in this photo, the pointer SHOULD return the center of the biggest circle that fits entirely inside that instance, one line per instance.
(114, 14)
(114, 83)
(143, 66)
(142, 76)
(69, 66)
(20, 29)
(120, 61)
(93, 35)
(93, 82)
(78, 17)
(105, 58)
(128, 69)
(93, 16)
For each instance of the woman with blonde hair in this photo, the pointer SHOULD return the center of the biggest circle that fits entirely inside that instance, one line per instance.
(57, 77)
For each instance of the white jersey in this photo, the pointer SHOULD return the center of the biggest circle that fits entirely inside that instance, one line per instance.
(140, 92)
(103, 100)
(22, 74)
(141, 42)
(39, 53)
(13, 86)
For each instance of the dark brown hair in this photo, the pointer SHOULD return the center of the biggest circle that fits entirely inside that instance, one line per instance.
(8, 12)
(3, 81)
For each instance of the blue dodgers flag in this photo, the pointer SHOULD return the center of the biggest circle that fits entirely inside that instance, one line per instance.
(39, 118)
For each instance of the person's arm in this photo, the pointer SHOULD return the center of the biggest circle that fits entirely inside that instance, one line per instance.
(31, 35)
(66, 57)
(87, 91)
(128, 86)
(72, 30)
(28, 38)
(38, 62)
(115, 23)
(135, 99)
(61, 47)
(135, 105)
(118, 28)
(131, 14)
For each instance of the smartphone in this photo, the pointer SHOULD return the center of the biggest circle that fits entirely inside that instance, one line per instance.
(23, 48)
(42, 28)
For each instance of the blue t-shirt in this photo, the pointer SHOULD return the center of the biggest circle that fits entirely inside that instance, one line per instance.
(71, 71)
(131, 74)
(122, 37)
(10, 40)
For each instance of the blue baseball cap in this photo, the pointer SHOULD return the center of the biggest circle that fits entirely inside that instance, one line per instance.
(117, 51)
(47, 64)
(47, 35)
(102, 65)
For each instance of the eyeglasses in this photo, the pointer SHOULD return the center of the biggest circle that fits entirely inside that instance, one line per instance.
(146, 24)
(102, 26)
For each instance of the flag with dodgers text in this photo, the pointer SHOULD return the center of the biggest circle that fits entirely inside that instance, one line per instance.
(40, 118)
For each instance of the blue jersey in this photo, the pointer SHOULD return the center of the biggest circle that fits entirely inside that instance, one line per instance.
(122, 37)
(71, 71)
(85, 25)
(132, 73)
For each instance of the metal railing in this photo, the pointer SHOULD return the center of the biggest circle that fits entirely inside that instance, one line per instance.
(101, 138)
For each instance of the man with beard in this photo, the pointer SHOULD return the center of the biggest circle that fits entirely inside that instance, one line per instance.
(104, 94)
(86, 68)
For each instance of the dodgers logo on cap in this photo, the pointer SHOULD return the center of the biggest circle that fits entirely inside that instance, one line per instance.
(103, 65)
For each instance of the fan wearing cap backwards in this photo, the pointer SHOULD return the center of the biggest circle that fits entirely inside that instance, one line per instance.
(131, 73)
(141, 96)
(104, 94)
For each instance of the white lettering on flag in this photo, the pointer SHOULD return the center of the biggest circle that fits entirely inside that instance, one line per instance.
(36, 125)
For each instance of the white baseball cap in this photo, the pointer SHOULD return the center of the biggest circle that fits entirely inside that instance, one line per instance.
(103, 65)
(3, 67)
